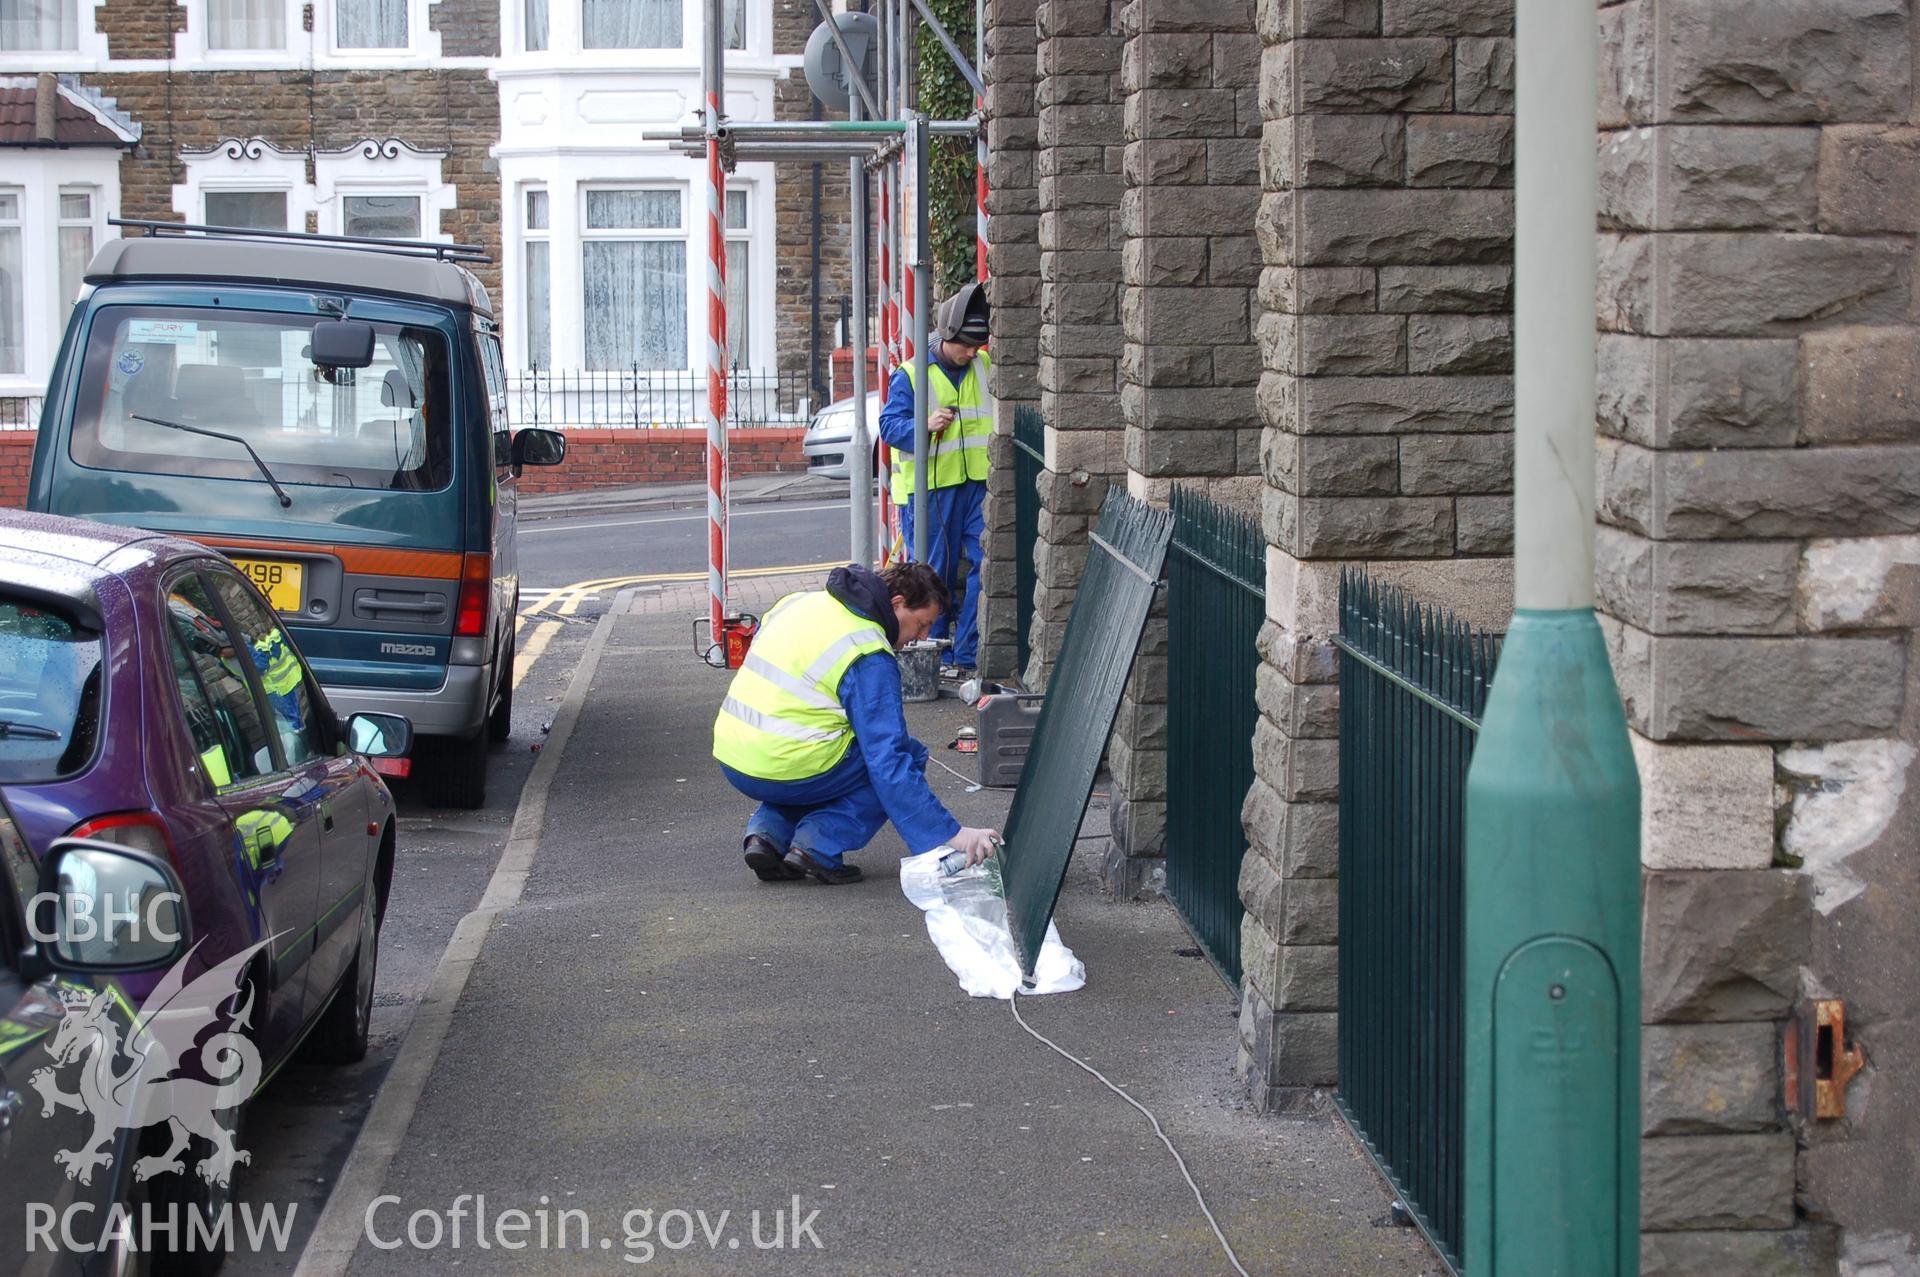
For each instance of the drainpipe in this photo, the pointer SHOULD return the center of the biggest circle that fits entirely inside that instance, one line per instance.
(1552, 899)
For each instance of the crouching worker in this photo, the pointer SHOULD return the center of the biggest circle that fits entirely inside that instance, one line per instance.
(813, 728)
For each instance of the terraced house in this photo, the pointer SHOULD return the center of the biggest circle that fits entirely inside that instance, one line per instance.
(512, 125)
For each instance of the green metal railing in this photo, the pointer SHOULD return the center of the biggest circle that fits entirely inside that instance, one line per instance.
(1413, 685)
(1216, 602)
(1029, 457)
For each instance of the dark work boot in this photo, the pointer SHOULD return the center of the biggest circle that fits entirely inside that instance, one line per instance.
(802, 863)
(764, 859)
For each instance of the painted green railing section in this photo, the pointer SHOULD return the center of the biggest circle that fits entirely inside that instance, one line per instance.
(1029, 458)
(1125, 559)
(1216, 602)
(1413, 685)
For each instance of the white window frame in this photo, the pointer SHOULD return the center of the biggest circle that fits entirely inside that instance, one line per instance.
(39, 176)
(696, 273)
(388, 167)
(421, 42)
(566, 37)
(90, 51)
(190, 46)
(20, 221)
(743, 235)
(245, 164)
(95, 222)
(519, 303)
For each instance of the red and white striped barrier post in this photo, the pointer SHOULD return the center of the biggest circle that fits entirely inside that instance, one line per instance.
(716, 379)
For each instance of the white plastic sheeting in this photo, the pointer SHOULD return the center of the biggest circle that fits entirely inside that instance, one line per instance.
(968, 925)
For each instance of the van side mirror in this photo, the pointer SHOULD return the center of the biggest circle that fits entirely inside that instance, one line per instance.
(342, 343)
(379, 735)
(539, 448)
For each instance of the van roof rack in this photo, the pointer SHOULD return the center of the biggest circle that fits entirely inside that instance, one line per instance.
(398, 247)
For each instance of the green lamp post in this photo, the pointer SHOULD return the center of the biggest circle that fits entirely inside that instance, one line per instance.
(1552, 1010)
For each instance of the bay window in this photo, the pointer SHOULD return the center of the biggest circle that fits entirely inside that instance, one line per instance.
(631, 24)
(39, 26)
(370, 24)
(247, 210)
(539, 279)
(13, 339)
(76, 243)
(380, 216)
(234, 25)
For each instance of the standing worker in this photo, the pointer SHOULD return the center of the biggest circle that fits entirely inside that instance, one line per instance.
(813, 728)
(959, 426)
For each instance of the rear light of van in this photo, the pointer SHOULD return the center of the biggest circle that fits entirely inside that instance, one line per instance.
(140, 830)
(476, 596)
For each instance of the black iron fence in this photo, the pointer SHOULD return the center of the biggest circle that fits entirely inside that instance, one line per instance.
(645, 399)
(1216, 602)
(1413, 686)
(1029, 458)
(20, 413)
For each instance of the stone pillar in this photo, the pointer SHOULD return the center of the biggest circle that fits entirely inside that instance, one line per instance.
(1013, 262)
(1759, 496)
(1189, 366)
(1385, 336)
(1079, 170)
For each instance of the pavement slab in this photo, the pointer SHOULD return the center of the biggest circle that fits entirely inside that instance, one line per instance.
(651, 1029)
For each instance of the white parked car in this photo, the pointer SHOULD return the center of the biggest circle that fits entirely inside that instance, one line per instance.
(830, 432)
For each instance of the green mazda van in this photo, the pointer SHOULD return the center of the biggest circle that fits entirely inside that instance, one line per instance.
(331, 414)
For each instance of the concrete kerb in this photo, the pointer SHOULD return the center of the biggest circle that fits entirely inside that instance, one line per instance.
(337, 1234)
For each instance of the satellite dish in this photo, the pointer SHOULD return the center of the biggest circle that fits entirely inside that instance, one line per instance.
(825, 68)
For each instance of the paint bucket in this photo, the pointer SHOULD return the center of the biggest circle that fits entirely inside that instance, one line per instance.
(920, 671)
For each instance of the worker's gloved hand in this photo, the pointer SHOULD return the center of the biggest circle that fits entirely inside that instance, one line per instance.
(977, 843)
(939, 419)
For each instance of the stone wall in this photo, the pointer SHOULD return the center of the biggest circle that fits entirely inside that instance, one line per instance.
(1013, 261)
(1385, 337)
(1759, 496)
(1078, 177)
(1188, 368)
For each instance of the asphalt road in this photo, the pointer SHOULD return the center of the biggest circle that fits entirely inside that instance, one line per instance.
(555, 552)
(301, 1128)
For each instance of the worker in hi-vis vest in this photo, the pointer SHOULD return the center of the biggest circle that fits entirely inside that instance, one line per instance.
(959, 426)
(813, 729)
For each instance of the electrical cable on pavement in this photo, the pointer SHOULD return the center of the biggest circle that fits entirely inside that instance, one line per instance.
(1014, 1004)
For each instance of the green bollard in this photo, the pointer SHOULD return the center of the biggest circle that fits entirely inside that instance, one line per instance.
(1552, 1024)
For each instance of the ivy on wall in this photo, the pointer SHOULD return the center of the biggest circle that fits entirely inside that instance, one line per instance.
(945, 95)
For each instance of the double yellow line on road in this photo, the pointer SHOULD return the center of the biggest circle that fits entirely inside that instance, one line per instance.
(568, 599)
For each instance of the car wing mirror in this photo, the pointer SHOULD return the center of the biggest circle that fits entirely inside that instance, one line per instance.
(379, 735)
(107, 909)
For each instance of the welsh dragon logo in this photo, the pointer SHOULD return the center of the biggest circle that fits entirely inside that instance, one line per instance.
(135, 1083)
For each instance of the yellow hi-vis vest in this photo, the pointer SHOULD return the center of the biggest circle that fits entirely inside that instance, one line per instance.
(959, 452)
(782, 719)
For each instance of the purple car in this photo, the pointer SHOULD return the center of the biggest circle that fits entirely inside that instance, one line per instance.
(150, 699)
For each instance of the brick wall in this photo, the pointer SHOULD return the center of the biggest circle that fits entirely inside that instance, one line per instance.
(1385, 334)
(621, 458)
(468, 28)
(16, 455)
(1759, 500)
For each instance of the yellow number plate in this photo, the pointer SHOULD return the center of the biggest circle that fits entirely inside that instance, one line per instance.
(280, 582)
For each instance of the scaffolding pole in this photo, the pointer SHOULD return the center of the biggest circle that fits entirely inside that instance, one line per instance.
(715, 66)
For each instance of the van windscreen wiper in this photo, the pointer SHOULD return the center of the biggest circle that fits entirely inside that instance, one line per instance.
(10, 730)
(265, 473)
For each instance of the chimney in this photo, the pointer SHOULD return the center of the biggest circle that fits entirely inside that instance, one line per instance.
(46, 102)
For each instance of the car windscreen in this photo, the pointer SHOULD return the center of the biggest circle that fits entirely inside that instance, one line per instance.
(50, 687)
(248, 374)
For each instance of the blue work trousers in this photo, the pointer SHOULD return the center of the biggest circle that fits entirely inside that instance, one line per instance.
(826, 816)
(957, 518)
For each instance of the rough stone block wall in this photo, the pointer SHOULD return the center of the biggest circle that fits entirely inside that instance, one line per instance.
(1384, 308)
(1189, 267)
(1759, 500)
(1013, 263)
(456, 112)
(1077, 168)
(468, 28)
(793, 22)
